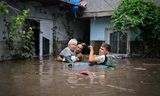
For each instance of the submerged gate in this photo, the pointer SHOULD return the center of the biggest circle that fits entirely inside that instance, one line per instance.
(118, 42)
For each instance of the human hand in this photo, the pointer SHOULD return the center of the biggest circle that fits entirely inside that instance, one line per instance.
(90, 47)
(73, 58)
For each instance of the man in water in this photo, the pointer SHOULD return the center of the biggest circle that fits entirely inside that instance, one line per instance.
(101, 58)
(72, 52)
(79, 49)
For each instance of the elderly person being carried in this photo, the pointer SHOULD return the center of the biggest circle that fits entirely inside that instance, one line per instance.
(68, 54)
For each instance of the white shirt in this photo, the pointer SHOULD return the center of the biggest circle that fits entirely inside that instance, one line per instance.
(100, 59)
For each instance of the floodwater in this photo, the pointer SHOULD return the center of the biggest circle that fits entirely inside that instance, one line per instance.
(131, 77)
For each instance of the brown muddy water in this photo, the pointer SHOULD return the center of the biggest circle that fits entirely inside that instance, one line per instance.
(131, 77)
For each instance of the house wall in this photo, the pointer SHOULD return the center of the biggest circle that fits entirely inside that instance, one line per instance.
(78, 27)
(48, 17)
(99, 32)
(2, 36)
(98, 28)
(46, 31)
(4, 53)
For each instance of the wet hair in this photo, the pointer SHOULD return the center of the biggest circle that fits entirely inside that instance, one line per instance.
(106, 46)
(72, 41)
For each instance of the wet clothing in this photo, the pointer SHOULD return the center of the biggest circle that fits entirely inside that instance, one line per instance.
(105, 60)
(80, 56)
(66, 52)
(101, 59)
(68, 55)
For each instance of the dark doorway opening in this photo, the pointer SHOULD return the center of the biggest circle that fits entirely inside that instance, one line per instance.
(86, 36)
(45, 46)
(36, 29)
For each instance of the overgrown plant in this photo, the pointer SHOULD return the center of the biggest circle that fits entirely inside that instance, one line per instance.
(20, 39)
(3, 7)
(55, 39)
(27, 44)
(139, 16)
(69, 31)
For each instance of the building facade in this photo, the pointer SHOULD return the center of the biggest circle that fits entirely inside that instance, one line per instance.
(50, 23)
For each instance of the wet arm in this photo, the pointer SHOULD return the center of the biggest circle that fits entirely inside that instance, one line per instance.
(59, 58)
(91, 56)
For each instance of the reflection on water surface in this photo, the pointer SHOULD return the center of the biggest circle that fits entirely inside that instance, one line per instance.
(131, 77)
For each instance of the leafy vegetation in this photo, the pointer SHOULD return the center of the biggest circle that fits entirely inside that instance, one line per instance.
(55, 40)
(3, 7)
(141, 16)
(20, 39)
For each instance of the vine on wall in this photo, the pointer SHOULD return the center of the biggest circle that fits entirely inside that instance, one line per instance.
(55, 41)
(55, 38)
(20, 40)
(69, 30)
(3, 7)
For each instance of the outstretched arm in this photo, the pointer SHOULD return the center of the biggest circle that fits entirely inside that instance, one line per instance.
(91, 56)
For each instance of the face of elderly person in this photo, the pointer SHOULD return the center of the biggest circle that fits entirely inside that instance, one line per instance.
(72, 44)
(79, 48)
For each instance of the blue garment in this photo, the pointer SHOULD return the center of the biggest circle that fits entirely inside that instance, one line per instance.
(76, 2)
(74, 9)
